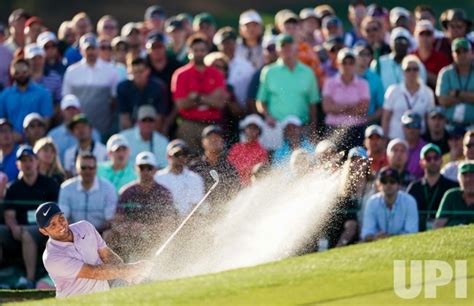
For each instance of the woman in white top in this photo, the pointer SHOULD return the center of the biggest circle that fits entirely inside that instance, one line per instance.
(410, 94)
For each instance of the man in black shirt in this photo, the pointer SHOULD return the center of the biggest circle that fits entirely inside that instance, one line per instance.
(436, 129)
(429, 190)
(22, 198)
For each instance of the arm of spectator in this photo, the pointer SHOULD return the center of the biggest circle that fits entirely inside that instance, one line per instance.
(369, 227)
(386, 117)
(350, 231)
(63, 203)
(466, 96)
(411, 221)
(215, 99)
(125, 121)
(262, 108)
(431, 79)
(188, 102)
(313, 114)
(444, 211)
(110, 207)
(375, 117)
(10, 221)
(444, 90)
(330, 107)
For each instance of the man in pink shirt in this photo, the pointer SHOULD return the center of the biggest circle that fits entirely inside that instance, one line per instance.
(77, 258)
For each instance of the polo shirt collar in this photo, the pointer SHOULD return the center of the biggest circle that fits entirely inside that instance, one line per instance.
(281, 63)
(28, 87)
(94, 187)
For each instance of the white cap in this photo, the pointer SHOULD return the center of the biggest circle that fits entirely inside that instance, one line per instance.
(424, 25)
(398, 33)
(45, 38)
(291, 120)
(374, 129)
(116, 141)
(250, 16)
(325, 146)
(70, 100)
(30, 118)
(32, 50)
(252, 119)
(398, 12)
(145, 158)
(344, 53)
(395, 142)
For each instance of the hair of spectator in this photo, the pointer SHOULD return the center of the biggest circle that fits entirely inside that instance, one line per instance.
(370, 19)
(214, 56)
(44, 142)
(355, 3)
(79, 16)
(20, 61)
(103, 19)
(196, 39)
(84, 156)
(411, 58)
(468, 135)
(62, 31)
(140, 61)
(424, 8)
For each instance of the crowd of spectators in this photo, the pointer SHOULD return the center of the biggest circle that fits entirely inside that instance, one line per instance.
(121, 125)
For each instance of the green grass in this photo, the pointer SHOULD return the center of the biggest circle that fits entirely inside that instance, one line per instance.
(355, 275)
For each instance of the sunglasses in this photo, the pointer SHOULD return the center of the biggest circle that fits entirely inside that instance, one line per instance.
(461, 51)
(469, 145)
(149, 120)
(145, 168)
(412, 69)
(106, 48)
(432, 158)
(50, 46)
(371, 29)
(88, 167)
(179, 154)
(426, 33)
(35, 125)
(387, 181)
(348, 63)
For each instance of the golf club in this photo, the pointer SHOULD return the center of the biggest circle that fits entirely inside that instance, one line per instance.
(215, 177)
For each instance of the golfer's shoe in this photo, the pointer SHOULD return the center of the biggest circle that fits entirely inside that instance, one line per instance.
(24, 283)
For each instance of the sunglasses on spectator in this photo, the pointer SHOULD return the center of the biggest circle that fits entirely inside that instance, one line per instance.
(50, 46)
(348, 62)
(149, 120)
(412, 69)
(432, 158)
(426, 33)
(386, 181)
(365, 54)
(179, 154)
(146, 167)
(105, 47)
(461, 51)
(469, 145)
(109, 26)
(35, 125)
(88, 167)
(371, 29)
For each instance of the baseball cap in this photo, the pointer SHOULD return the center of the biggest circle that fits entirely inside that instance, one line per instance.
(32, 117)
(424, 25)
(116, 141)
(32, 20)
(455, 130)
(252, 119)
(79, 118)
(398, 12)
(429, 147)
(331, 20)
(410, 119)
(459, 43)
(88, 40)
(289, 16)
(435, 111)
(344, 53)
(388, 173)
(332, 41)
(175, 146)
(399, 32)
(128, 28)
(145, 158)
(146, 111)
(153, 12)
(70, 101)
(203, 17)
(173, 24)
(282, 39)
(4, 121)
(466, 167)
(373, 129)
(324, 10)
(250, 16)
(307, 13)
(293, 120)
(358, 152)
(32, 50)
(396, 141)
(153, 38)
(45, 212)
(375, 10)
(224, 34)
(454, 14)
(45, 38)
(211, 129)
(24, 150)
(118, 40)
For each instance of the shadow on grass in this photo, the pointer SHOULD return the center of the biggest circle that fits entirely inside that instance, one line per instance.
(10, 296)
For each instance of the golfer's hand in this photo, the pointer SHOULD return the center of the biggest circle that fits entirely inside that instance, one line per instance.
(140, 270)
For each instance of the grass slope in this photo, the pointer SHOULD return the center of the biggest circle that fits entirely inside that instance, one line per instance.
(355, 275)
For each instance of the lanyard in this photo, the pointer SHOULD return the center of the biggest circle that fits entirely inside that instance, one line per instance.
(429, 200)
(407, 101)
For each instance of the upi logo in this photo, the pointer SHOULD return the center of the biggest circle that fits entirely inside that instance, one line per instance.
(437, 273)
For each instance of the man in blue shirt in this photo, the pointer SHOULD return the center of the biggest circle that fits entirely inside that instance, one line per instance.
(391, 211)
(24, 97)
(8, 150)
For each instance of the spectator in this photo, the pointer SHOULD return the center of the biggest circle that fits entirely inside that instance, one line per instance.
(88, 197)
(6, 57)
(81, 25)
(49, 164)
(66, 36)
(401, 17)
(145, 212)
(391, 211)
(390, 65)
(364, 55)
(455, 85)
(397, 155)
(411, 123)
(94, 83)
(16, 26)
(426, 12)
(198, 92)
(81, 128)
(429, 190)
(205, 24)
(35, 128)
(33, 27)
(22, 198)
(215, 158)
(436, 129)
(332, 46)
(310, 25)
(154, 19)
(357, 11)
(120, 49)
(410, 94)
(245, 155)
(8, 150)
(186, 186)
(331, 26)
(117, 170)
(451, 169)
(53, 64)
(249, 45)
(346, 100)
(131, 32)
(144, 137)
(24, 97)
(106, 54)
(62, 135)
(456, 205)
(287, 87)
(455, 24)
(240, 69)
(433, 60)
(293, 139)
(107, 27)
(373, 33)
(374, 142)
(142, 89)
(455, 143)
(177, 48)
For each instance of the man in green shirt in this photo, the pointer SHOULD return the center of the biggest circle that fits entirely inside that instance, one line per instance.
(287, 87)
(457, 205)
(117, 170)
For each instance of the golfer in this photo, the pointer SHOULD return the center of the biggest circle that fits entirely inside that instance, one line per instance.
(77, 258)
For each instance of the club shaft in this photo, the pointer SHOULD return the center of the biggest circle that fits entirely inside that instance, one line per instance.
(185, 220)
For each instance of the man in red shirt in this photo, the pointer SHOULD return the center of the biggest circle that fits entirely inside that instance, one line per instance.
(375, 144)
(198, 92)
(433, 60)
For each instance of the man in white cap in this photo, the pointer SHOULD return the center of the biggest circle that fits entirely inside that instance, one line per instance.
(62, 135)
(145, 212)
(49, 42)
(249, 45)
(94, 83)
(34, 128)
(374, 142)
(117, 169)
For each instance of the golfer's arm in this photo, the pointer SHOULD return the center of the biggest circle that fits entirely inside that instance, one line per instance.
(105, 271)
(108, 256)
